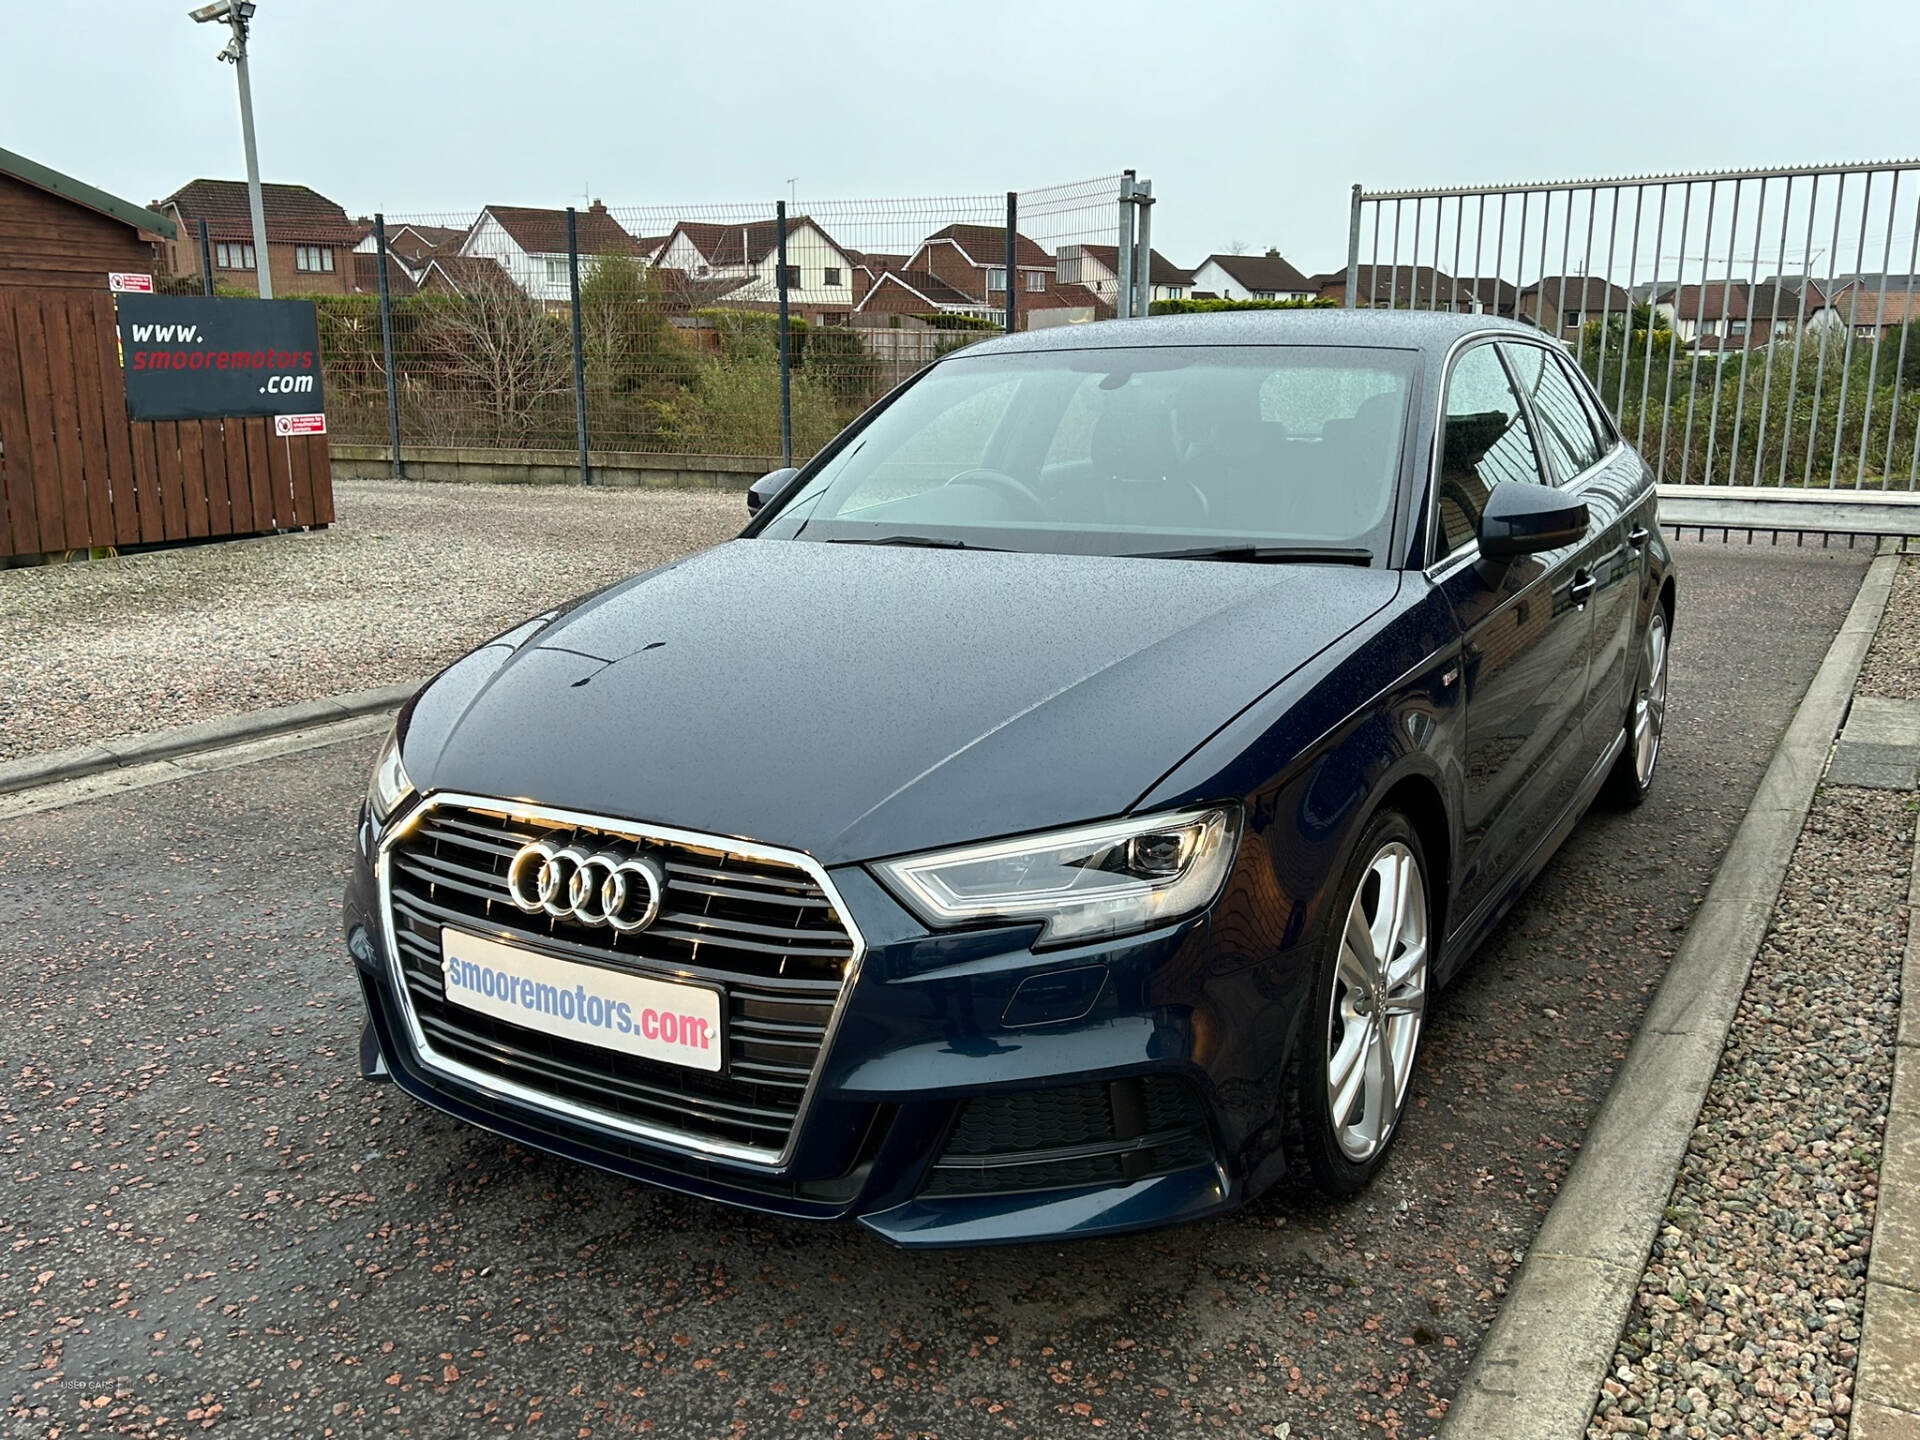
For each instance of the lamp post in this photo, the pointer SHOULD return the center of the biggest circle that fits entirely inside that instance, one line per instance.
(237, 14)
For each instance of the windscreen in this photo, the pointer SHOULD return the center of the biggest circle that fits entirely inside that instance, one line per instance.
(1126, 451)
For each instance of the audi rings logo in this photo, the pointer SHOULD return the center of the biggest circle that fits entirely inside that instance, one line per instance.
(594, 887)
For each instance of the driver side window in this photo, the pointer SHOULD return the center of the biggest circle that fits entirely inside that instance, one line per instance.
(1484, 442)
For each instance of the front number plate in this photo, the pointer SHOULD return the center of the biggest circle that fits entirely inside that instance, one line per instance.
(678, 1024)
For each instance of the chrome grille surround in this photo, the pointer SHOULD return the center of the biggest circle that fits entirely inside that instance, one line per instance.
(683, 1142)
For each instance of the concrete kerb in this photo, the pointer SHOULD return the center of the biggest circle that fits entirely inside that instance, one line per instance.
(1539, 1369)
(81, 760)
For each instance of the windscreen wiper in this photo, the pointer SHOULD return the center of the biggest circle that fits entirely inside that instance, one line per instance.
(923, 542)
(1265, 554)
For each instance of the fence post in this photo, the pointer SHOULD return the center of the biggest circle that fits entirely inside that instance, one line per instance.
(386, 347)
(1123, 250)
(206, 263)
(786, 346)
(1013, 252)
(1353, 256)
(1143, 248)
(579, 350)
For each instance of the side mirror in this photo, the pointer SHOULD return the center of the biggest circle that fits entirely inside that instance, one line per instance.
(769, 488)
(1522, 519)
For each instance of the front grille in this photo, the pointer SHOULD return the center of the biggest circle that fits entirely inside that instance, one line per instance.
(1104, 1134)
(762, 929)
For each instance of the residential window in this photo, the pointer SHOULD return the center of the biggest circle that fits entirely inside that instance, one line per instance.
(233, 257)
(1263, 295)
(833, 275)
(996, 277)
(1036, 281)
(1709, 327)
(1736, 327)
(793, 277)
(1574, 319)
(313, 257)
(557, 270)
(1176, 292)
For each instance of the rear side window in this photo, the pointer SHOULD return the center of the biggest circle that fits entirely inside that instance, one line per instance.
(1485, 443)
(1566, 432)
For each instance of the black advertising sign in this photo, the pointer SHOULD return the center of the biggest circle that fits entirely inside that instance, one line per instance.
(190, 358)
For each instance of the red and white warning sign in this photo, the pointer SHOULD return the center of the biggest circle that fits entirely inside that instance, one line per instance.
(299, 424)
(126, 283)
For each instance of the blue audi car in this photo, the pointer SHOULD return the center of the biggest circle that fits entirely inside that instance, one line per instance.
(1057, 810)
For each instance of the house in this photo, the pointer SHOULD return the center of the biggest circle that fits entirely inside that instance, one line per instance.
(1488, 295)
(1562, 304)
(1400, 287)
(1252, 277)
(972, 259)
(1869, 311)
(411, 246)
(308, 237)
(820, 274)
(1098, 268)
(1737, 316)
(530, 244)
(905, 291)
(59, 231)
(462, 275)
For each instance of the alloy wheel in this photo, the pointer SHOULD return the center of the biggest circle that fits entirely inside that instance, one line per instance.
(1650, 704)
(1379, 1000)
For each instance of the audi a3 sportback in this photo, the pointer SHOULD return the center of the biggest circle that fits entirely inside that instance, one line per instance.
(1057, 810)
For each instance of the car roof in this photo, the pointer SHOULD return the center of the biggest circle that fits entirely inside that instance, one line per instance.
(1400, 329)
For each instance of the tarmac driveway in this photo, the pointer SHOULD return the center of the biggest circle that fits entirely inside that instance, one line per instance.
(206, 1219)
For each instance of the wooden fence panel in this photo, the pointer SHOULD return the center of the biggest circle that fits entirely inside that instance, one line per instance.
(321, 460)
(300, 474)
(88, 387)
(76, 472)
(119, 435)
(43, 460)
(146, 471)
(173, 484)
(66, 421)
(20, 525)
(222, 517)
(269, 499)
(193, 471)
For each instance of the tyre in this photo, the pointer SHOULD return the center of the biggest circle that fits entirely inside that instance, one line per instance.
(1348, 1078)
(1632, 775)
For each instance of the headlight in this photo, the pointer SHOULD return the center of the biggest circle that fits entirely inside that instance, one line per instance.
(389, 785)
(1085, 883)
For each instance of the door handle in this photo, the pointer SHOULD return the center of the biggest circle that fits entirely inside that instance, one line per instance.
(1638, 536)
(1583, 587)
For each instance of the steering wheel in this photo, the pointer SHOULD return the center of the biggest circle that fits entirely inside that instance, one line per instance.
(1031, 504)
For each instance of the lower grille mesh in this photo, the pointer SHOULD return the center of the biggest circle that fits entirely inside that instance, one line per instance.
(1103, 1134)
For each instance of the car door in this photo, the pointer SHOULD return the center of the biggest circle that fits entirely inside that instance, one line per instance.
(1524, 632)
(1578, 462)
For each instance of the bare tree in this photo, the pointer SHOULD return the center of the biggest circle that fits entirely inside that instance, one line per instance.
(502, 347)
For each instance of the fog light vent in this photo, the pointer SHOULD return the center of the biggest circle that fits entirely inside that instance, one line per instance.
(1103, 1134)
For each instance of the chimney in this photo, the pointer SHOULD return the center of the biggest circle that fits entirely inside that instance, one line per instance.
(597, 207)
(1273, 252)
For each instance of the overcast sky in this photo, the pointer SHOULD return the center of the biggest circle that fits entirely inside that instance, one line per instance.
(1252, 119)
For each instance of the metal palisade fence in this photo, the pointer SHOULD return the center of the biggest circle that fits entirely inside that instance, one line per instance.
(749, 330)
(1748, 328)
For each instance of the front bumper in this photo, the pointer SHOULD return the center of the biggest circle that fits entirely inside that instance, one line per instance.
(1152, 1031)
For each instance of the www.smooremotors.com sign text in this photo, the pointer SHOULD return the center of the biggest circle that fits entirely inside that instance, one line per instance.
(190, 358)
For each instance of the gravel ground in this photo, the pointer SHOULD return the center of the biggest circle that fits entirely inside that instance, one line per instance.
(1893, 665)
(1747, 1320)
(410, 577)
(205, 1215)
